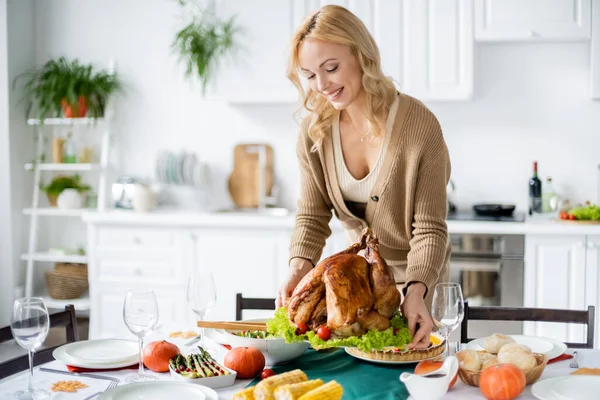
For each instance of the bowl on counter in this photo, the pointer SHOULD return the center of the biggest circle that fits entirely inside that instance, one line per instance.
(275, 350)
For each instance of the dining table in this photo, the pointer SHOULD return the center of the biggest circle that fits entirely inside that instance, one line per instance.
(55, 370)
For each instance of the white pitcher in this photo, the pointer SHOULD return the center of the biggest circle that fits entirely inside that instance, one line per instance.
(432, 385)
(144, 198)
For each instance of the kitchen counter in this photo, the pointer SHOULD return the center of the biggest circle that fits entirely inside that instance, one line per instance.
(187, 218)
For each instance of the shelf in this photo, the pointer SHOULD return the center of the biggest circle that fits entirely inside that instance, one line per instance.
(55, 212)
(51, 257)
(63, 167)
(80, 304)
(64, 121)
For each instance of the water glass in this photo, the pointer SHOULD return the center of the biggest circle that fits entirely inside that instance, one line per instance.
(140, 313)
(448, 309)
(201, 296)
(29, 324)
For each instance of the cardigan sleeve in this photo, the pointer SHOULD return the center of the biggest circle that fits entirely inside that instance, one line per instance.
(314, 208)
(429, 243)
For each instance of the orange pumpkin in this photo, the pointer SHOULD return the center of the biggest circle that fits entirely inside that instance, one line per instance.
(502, 382)
(426, 366)
(157, 355)
(248, 362)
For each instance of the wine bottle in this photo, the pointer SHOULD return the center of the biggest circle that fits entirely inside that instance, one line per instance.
(535, 191)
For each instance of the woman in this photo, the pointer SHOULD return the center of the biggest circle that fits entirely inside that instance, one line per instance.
(372, 156)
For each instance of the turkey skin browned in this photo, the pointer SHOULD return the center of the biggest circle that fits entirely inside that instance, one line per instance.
(349, 293)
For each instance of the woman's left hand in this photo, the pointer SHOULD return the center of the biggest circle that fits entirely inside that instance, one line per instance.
(414, 309)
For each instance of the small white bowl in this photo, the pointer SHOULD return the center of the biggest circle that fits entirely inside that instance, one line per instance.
(275, 350)
(213, 382)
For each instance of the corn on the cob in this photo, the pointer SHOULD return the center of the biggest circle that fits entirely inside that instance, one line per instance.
(293, 391)
(246, 394)
(329, 391)
(265, 388)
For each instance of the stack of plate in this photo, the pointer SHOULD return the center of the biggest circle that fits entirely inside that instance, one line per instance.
(99, 354)
(571, 387)
(159, 391)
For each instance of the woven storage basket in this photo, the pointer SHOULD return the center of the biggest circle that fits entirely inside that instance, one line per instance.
(531, 375)
(71, 269)
(64, 283)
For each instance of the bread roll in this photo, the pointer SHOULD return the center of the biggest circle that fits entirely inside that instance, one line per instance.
(469, 359)
(493, 360)
(493, 343)
(517, 354)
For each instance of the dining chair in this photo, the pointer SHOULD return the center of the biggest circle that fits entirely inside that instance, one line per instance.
(585, 317)
(246, 303)
(65, 319)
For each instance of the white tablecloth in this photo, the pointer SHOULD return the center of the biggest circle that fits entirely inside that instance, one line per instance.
(459, 391)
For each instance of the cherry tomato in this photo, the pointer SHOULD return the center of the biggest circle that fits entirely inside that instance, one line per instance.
(323, 332)
(572, 217)
(302, 328)
(266, 373)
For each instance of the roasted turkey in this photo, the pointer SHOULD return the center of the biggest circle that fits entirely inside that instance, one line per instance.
(348, 292)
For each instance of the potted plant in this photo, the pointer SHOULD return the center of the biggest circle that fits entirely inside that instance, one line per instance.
(69, 88)
(204, 42)
(60, 183)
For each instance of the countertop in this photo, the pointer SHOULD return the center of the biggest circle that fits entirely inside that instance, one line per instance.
(189, 218)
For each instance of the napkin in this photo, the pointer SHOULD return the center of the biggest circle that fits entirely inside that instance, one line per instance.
(562, 357)
(81, 369)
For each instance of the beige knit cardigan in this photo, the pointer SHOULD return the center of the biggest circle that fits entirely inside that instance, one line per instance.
(407, 208)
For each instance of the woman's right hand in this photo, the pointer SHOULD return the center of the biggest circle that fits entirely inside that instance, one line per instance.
(298, 268)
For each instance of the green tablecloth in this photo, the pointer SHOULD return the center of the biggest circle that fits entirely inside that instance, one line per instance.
(360, 379)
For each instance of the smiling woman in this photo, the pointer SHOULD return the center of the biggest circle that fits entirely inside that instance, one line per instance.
(373, 156)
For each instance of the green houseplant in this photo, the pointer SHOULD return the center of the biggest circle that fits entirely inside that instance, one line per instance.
(60, 183)
(204, 42)
(69, 88)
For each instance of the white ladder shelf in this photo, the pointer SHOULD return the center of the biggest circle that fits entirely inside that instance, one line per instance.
(33, 255)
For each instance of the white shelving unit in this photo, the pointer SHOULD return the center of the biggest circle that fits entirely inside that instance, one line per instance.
(34, 255)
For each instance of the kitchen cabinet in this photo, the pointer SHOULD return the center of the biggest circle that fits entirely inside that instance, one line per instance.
(518, 20)
(561, 271)
(425, 46)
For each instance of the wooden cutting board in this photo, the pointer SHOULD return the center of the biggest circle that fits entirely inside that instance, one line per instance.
(243, 180)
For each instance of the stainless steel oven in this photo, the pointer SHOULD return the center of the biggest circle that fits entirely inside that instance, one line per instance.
(490, 269)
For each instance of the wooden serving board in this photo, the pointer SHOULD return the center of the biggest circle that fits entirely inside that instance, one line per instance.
(244, 179)
(579, 222)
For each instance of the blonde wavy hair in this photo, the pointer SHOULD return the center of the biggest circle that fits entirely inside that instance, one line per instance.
(336, 24)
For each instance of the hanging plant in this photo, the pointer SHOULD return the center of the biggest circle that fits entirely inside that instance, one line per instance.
(204, 42)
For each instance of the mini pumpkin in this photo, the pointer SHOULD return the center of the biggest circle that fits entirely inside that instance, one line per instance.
(248, 362)
(157, 355)
(502, 382)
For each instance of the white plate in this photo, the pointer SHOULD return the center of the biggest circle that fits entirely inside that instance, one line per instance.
(159, 391)
(543, 345)
(103, 351)
(61, 355)
(213, 382)
(385, 361)
(570, 387)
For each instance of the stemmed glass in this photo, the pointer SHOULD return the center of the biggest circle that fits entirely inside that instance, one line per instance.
(140, 313)
(29, 324)
(201, 296)
(448, 309)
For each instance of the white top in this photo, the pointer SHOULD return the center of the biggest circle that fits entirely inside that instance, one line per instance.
(358, 190)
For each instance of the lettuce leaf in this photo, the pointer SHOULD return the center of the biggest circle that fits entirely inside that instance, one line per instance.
(397, 335)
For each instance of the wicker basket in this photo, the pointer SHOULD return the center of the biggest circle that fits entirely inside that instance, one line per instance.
(68, 281)
(469, 377)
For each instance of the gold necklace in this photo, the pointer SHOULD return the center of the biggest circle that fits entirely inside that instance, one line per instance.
(362, 137)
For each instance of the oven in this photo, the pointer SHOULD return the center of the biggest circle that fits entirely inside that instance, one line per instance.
(490, 270)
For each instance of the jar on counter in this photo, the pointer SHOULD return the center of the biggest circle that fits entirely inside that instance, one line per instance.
(549, 197)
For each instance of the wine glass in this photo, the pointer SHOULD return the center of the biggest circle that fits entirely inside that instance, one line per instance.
(448, 309)
(29, 324)
(201, 296)
(140, 313)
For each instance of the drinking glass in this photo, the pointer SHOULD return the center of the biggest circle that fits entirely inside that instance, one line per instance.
(29, 324)
(448, 309)
(201, 296)
(140, 313)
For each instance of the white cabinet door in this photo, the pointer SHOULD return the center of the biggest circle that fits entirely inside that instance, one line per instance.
(592, 280)
(242, 261)
(438, 49)
(257, 71)
(555, 277)
(500, 20)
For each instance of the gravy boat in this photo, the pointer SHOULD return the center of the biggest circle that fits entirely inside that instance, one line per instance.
(432, 385)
